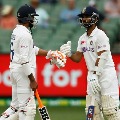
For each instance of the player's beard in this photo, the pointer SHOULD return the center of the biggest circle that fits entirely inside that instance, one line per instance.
(87, 25)
(33, 23)
(84, 24)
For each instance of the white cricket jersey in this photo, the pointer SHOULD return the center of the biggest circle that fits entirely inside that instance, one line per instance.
(22, 48)
(90, 45)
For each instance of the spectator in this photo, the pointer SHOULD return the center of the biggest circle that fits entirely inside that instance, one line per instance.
(8, 20)
(112, 8)
(92, 3)
(70, 14)
(0, 8)
(43, 18)
(62, 2)
(49, 1)
(1, 5)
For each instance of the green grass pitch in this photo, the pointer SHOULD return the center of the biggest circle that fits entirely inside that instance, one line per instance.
(61, 113)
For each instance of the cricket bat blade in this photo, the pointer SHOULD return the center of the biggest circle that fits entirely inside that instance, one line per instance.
(44, 113)
(90, 112)
(91, 108)
(42, 109)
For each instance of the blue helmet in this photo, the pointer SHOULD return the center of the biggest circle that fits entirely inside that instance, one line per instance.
(26, 13)
(92, 13)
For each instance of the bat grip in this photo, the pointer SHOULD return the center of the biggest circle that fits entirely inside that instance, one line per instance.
(38, 99)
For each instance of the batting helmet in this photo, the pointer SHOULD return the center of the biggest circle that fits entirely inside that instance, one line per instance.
(88, 12)
(26, 13)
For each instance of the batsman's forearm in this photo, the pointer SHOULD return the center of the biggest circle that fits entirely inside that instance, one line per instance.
(97, 60)
(97, 63)
(31, 78)
(42, 52)
(76, 57)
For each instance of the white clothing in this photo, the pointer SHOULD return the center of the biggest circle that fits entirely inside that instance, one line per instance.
(22, 51)
(21, 90)
(22, 48)
(90, 45)
(109, 85)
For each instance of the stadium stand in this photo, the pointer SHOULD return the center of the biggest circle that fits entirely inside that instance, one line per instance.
(59, 33)
(5, 36)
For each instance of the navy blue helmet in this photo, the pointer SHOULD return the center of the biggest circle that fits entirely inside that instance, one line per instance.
(88, 12)
(26, 13)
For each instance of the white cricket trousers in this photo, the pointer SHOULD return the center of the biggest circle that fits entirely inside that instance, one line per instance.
(109, 85)
(21, 90)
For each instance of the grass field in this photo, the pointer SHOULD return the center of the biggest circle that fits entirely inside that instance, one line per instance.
(61, 113)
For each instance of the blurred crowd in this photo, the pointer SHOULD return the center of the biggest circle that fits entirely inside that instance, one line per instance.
(68, 13)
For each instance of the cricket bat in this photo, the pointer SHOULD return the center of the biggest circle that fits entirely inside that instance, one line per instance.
(90, 113)
(41, 108)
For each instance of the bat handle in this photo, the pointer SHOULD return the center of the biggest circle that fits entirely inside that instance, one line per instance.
(38, 99)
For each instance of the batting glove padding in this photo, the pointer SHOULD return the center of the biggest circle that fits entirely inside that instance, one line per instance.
(58, 62)
(66, 49)
(50, 54)
(94, 84)
(57, 58)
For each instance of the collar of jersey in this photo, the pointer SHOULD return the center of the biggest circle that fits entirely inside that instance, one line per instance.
(93, 32)
(23, 27)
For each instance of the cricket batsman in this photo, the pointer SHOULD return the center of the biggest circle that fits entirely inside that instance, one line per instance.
(23, 65)
(102, 82)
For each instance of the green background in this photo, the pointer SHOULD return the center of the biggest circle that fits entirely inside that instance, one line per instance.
(60, 112)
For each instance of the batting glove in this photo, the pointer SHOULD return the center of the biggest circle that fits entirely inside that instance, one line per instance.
(59, 60)
(94, 84)
(66, 49)
(51, 54)
(59, 63)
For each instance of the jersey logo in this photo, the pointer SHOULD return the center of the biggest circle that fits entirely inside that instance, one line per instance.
(91, 42)
(82, 42)
(18, 14)
(84, 10)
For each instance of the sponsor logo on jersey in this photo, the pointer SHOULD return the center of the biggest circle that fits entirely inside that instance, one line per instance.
(85, 49)
(22, 46)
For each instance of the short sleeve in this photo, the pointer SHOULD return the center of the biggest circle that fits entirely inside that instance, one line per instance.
(79, 48)
(24, 46)
(36, 50)
(102, 42)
